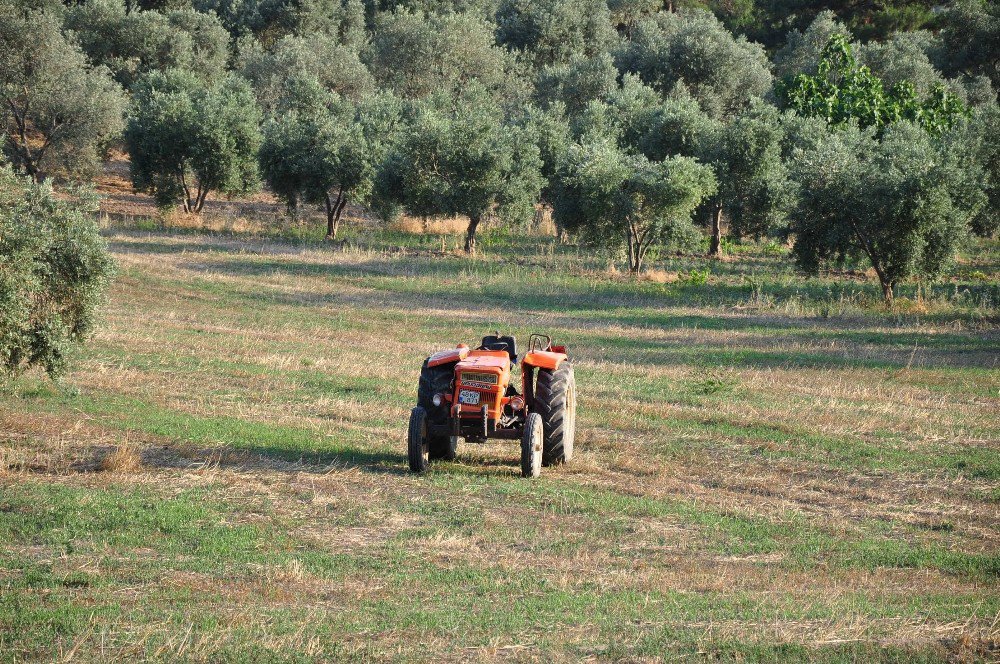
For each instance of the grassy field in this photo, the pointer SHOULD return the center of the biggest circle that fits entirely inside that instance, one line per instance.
(769, 467)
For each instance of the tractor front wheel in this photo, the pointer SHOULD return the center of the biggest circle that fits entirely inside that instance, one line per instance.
(437, 380)
(531, 447)
(417, 447)
(555, 402)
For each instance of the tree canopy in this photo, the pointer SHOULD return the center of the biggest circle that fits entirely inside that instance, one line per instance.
(187, 138)
(903, 201)
(59, 112)
(622, 199)
(56, 269)
(461, 158)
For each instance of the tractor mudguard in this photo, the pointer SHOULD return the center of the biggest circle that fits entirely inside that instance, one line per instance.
(450, 355)
(544, 359)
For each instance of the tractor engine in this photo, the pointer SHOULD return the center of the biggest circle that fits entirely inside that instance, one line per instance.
(481, 386)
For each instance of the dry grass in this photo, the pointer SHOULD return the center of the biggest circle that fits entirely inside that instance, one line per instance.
(124, 458)
(657, 276)
(436, 225)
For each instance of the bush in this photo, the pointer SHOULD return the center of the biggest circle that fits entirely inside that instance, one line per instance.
(54, 269)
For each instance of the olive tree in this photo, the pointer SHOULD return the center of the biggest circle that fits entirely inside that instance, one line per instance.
(978, 140)
(414, 54)
(335, 67)
(55, 270)
(755, 192)
(326, 152)
(133, 43)
(723, 72)
(578, 82)
(461, 158)
(57, 111)
(971, 38)
(270, 20)
(804, 49)
(903, 202)
(552, 32)
(616, 198)
(187, 138)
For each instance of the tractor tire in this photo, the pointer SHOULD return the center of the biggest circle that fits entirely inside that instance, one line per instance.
(437, 380)
(416, 440)
(531, 446)
(555, 402)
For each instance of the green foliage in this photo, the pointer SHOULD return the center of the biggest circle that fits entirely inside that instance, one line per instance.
(978, 140)
(324, 144)
(903, 203)
(554, 32)
(723, 72)
(843, 90)
(971, 39)
(132, 44)
(803, 50)
(54, 270)
(187, 138)
(755, 189)
(620, 199)
(903, 59)
(679, 126)
(58, 112)
(461, 158)
(770, 21)
(414, 55)
(578, 82)
(550, 131)
(270, 20)
(337, 68)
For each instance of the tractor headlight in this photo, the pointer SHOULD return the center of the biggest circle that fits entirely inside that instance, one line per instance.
(437, 399)
(516, 403)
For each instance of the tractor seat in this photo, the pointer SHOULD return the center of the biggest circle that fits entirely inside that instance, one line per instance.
(497, 342)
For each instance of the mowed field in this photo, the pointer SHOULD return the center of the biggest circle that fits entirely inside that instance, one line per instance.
(768, 467)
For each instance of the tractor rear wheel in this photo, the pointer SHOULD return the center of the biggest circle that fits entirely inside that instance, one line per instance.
(531, 446)
(555, 402)
(416, 440)
(437, 380)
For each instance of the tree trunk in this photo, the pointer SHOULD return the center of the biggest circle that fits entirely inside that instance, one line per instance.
(715, 248)
(332, 214)
(470, 234)
(635, 251)
(339, 211)
(187, 193)
(200, 202)
(887, 293)
(883, 278)
(21, 147)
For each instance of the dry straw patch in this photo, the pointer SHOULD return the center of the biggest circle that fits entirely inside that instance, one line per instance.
(433, 225)
(124, 458)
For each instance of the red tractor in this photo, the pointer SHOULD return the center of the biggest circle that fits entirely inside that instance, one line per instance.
(470, 393)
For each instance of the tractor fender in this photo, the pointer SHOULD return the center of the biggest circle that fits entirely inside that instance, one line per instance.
(450, 355)
(544, 359)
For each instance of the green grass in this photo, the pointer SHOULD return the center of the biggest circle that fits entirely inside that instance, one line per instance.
(770, 467)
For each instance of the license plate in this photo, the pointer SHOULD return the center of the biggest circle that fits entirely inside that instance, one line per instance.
(470, 397)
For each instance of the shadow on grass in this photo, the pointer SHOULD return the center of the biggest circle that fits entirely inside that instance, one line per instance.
(185, 455)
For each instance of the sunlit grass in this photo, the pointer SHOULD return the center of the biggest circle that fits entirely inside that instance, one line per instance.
(769, 467)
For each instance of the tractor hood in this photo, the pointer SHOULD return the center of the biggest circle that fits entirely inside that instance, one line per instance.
(447, 356)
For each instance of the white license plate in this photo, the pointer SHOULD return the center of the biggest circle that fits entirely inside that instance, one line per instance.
(470, 397)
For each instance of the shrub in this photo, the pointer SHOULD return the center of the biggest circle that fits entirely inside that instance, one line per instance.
(54, 269)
